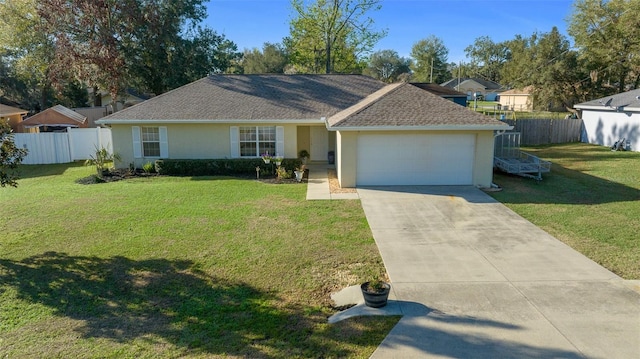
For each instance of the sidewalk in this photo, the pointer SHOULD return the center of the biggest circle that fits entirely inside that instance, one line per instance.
(318, 185)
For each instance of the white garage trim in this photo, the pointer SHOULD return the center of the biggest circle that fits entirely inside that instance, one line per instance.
(415, 159)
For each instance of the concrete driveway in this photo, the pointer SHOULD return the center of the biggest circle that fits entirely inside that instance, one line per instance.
(475, 280)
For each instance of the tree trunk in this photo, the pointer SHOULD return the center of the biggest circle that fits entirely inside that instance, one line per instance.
(328, 61)
(97, 99)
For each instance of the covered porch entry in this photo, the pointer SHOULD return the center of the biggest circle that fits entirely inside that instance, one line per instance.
(317, 140)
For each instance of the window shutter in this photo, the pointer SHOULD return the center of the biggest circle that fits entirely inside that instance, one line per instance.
(235, 141)
(137, 144)
(164, 142)
(280, 141)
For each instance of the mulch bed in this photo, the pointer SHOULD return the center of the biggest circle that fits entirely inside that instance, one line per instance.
(115, 175)
(123, 174)
(334, 185)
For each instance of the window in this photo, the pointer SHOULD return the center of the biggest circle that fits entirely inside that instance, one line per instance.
(151, 141)
(257, 140)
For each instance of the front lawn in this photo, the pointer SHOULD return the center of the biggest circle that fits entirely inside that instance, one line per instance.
(178, 267)
(590, 200)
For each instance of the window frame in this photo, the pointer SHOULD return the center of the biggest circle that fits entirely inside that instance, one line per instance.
(257, 138)
(143, 141)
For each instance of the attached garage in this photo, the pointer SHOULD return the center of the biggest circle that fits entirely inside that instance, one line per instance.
(402, 135)
(415, 159)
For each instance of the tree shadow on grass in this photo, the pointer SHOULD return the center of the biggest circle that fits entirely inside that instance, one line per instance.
(578, 152)
(120, 299)
(35, 171)
(433, 339)
(562, 186)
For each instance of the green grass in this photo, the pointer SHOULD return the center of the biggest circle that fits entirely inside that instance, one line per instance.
(590, 200)
(490, 108)
(482, 104)
(178, 267)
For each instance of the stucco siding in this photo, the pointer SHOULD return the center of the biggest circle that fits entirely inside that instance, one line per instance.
(123, 146)
(483, 166)
(193, 141)
(606, 127)
(346, 157)
(290, 141)
(517, 102)
(198, 141)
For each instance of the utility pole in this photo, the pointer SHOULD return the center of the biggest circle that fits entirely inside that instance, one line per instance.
(458, 84)
(431, 79)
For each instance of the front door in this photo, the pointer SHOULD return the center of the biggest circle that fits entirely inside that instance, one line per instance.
(319, 143)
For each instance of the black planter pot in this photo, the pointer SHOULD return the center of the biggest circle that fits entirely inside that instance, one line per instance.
(375, 299)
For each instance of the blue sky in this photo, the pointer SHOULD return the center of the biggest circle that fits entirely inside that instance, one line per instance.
(250, 23)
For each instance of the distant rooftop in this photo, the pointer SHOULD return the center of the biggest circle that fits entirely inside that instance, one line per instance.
(625, 99)
(438, 89)
(487, 84)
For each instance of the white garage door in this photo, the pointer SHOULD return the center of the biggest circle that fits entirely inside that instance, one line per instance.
(415, 159)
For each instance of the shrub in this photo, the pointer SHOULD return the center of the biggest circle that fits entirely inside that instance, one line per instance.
(282, 173)
(101, 159)
(218, 167)
(149, 167)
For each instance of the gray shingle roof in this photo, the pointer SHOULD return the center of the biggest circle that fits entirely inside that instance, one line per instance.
(8, 110)
(346, 100)
(401, 105)
(488, 85)
(57, 115)
(254, 97)
(625, 99)
(438, 90)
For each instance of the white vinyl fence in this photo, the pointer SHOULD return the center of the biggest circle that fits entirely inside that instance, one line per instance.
(63, 147)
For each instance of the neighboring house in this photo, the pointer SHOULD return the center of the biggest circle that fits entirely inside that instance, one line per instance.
(130, 98)
(381, 134)
(488, 89)
(444, 92)
(517, 99)
(54, 119)
(13, 116)
(612, 118)
(93, 114)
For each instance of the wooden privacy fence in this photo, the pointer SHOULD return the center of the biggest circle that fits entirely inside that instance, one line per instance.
(63, 147)
(542, 132)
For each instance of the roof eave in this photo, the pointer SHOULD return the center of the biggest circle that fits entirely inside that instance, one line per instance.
(204, 121)
(608, 109)
(593, 107)
(424, 128)
(51, 125)
(7, 114)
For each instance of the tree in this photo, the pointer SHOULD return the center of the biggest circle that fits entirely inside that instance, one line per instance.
(546, 62)
(331, 34)
(460, 70)
(88, 35)
(430, 57)
(158, 68)
(387, 66)
(487, 58)
(271, 60)
(154, 45)
(25, 55)
(10, 156)
(607, 34)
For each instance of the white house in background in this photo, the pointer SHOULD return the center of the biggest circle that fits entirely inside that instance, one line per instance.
(488, 89)
(517, 99)
(381, 134)
(612, 118)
